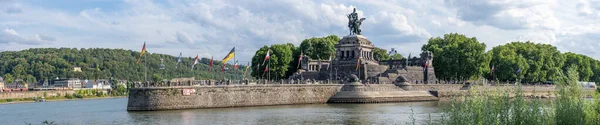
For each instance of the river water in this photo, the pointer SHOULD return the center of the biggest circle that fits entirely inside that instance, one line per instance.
(113, 111)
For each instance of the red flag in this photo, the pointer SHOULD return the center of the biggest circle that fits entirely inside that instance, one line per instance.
(195, 62)
(266, 69)
(235, 66)
(426, 64)
(267, 56)
(223, 69)
(210, 64)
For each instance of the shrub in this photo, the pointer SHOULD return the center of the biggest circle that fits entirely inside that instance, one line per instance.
(9, 100)
(77, 95)
(497, 107)
(69, 96)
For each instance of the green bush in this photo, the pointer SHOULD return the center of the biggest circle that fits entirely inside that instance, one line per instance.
(69, 96)
(498, 108)
(9, 100)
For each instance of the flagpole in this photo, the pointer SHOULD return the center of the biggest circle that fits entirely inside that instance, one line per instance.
(145, 69)
(234, 70)
(269, 76)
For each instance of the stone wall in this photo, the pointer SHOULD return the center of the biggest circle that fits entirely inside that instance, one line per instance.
(31, 94)
(144, 99)
(426, 87)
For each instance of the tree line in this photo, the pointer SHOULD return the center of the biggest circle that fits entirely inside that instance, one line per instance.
(458, 57)
(37, 64)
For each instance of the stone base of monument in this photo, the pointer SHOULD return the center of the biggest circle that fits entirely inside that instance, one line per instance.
(359, 93)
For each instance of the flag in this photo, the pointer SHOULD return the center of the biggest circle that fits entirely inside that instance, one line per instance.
(492, 70)
(267, 56)
(210, 64)
(141, 53)
(195, 62)
(247, 66)
(223, 69)
(426, 64)
(330, 56)
(266, 69)
(358, 63)
(178, 60)
(235, 66)
(299, 60)
(229, 56)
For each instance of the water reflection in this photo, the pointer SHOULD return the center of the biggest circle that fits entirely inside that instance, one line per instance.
(113, 111)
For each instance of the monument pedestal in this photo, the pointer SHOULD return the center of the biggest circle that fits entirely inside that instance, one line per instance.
(355, 92)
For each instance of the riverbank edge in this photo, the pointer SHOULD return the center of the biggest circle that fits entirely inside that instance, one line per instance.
(56, 100)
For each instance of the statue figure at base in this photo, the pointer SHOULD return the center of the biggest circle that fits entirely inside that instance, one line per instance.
(354, 23)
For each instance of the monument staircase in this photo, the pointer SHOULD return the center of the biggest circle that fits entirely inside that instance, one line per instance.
(412, 74)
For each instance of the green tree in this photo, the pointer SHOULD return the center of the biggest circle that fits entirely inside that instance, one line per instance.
(30, 79)
(100, 63)
(457, 56)
(9, 78)
(120, 90)
(580, 62)
(380, 54)
(279, 61)
(156, 78)
(538, 62)
(319, 48)
(396, 56)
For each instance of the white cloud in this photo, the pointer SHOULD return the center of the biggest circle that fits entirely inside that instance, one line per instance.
(10, 36)
(182, 37)
(13, 9)
(42, 37)
(213, 27)
(507, 14)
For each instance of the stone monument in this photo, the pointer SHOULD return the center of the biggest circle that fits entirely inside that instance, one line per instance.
(354, 52)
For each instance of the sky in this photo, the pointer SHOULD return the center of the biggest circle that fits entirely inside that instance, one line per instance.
(212, 27)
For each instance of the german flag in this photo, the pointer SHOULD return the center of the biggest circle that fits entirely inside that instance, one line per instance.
(141, 53)
(358, 63)
(229, 56)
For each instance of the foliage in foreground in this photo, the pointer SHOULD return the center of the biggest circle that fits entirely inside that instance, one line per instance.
(569, 108)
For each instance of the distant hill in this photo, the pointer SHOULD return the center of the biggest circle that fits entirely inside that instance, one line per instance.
(99, 63)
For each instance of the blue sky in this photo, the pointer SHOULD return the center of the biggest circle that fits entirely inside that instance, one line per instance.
(212, 27)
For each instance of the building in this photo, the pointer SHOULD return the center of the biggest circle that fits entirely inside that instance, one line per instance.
(43, 84)
(68, 83)
(17, 85)
(76, 69)
(98, 84)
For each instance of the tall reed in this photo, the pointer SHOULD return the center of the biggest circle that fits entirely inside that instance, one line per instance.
(509, 107)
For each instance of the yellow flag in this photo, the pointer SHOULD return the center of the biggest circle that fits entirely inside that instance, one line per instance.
(358, 63)
(141, 53)
(229, 56)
